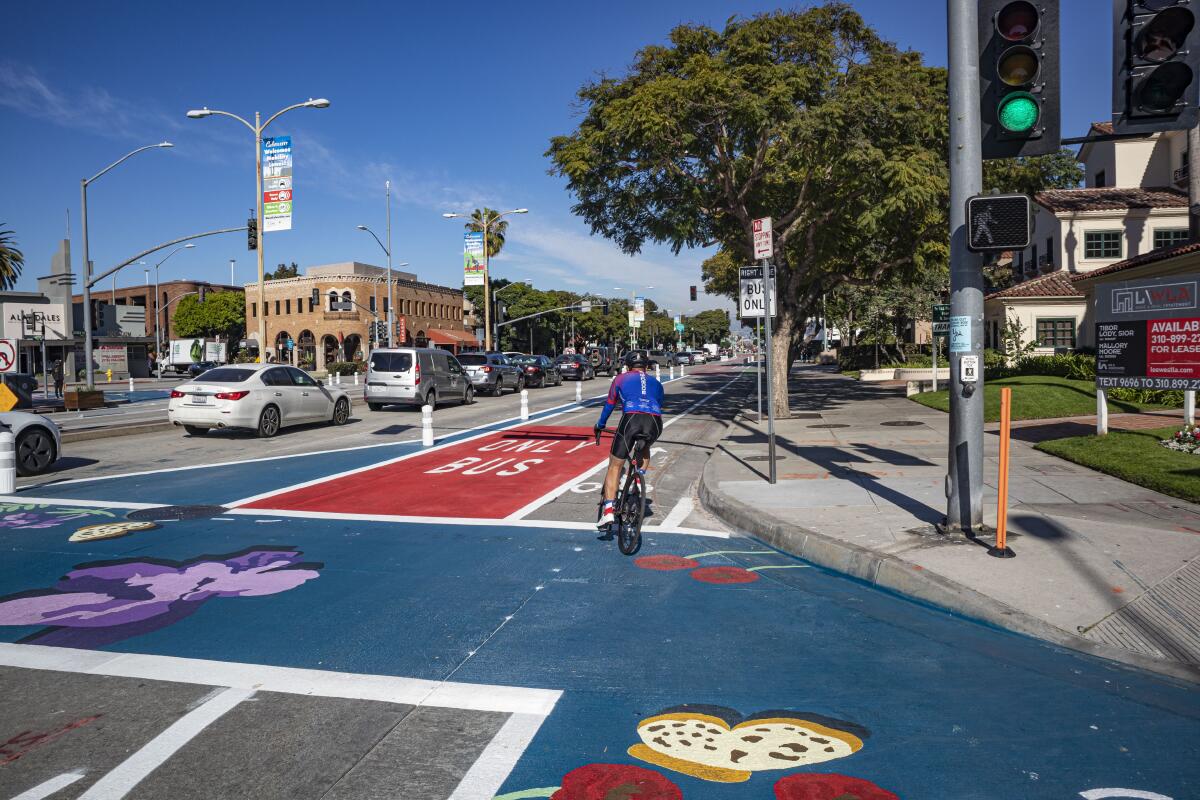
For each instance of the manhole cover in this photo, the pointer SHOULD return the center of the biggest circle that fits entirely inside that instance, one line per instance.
(829, 425)
(763, 458)
(176, 512)
(902, 423)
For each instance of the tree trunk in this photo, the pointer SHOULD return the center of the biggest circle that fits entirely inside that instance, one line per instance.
(781, 359)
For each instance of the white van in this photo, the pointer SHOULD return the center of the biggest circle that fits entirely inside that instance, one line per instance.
(415, 376)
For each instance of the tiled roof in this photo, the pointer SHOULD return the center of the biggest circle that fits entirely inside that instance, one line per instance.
(1102, 127)
(1056, 284)
(1161, 254)
(1111, 198)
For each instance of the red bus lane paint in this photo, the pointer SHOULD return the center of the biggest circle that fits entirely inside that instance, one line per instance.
(487, 478)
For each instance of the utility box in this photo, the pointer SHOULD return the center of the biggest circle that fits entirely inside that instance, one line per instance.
(22, 385)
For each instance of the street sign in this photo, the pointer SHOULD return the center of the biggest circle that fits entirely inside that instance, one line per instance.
(750, 292)
(473, 258)
(585, 306)
(941, 319)
(764, 240)
(8, 400)
(999, 222)
(968, 369)
(277, 164)
(8, 355)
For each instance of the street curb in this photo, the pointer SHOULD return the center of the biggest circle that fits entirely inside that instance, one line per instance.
(895, 575)
(89, 434)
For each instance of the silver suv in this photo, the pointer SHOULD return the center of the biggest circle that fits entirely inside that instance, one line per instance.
(493, 372)
(415, 376)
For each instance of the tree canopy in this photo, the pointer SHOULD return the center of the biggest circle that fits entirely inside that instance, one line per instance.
(12, 260)
(221, 313)
(283, 271)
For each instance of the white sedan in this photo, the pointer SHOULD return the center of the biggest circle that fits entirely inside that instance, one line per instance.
(38, 441)
(261, 397)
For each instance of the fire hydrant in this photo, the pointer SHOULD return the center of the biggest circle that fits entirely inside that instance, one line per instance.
(108, 372)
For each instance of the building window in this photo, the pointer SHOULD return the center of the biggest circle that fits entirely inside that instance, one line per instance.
(1056, 332)
(386, 305)
(266, 309)
(1033, 257)
(1102, 244)
(333, 301)
(1049, 249)
(300, 305)
(1170, 237)
(371, 303)
(287, 305)
(1101, 180)
(277, 308)
(347, 301)
(254, 310)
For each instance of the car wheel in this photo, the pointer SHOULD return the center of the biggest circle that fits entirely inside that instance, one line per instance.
(341, 411)
(498, 389)
(268, 422)
(375, 406)
(35, 451)
(193, 430)
(431, 399)
(520, 384)
(468, 395)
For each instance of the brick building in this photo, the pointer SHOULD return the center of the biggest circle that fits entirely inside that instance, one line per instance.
(351, 294)
(169, 293)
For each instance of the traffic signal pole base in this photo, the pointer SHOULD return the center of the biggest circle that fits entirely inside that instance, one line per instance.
(1001, 552)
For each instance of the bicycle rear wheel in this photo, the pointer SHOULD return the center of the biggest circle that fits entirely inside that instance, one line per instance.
(633, 510)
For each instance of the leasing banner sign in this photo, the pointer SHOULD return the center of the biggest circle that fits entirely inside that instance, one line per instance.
(1148, 333)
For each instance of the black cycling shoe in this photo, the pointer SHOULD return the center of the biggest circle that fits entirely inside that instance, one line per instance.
(607, 536)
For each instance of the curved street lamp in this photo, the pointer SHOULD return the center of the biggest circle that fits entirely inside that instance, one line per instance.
(257, 129)
(486, 224)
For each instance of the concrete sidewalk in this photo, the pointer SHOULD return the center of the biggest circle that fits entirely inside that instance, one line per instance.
(1102, 566)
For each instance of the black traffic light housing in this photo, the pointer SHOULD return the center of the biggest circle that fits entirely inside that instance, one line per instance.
(316, 299)
(693, 293)
(1019, 78)
(252, 234)
(1156, 63)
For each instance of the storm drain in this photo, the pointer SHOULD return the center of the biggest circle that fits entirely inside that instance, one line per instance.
(830, 425)
(806, 415)
(902, 423)
(1163, 622)
(175, 513)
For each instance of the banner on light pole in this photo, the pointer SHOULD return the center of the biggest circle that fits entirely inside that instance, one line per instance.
(473, 261)
(277, 183)
(639, 309)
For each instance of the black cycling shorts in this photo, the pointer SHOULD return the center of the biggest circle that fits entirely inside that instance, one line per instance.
(635, 426)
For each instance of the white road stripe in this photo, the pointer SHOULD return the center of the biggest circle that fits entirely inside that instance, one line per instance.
(20, 499)
(484, 778)
(47, 788)
(133, 770)
(679, 513)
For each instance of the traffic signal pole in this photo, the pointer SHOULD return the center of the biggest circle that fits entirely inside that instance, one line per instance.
(964, 481)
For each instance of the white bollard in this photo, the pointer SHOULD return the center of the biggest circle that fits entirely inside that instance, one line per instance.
(131, 383)
(337, 378)
(8, 462)
(356, 379)
(1189, 406)
(427, 426)
(671, 372)
(682, 373)
(658, 372)
(579, 391)
(524, 404)
(1101, 413)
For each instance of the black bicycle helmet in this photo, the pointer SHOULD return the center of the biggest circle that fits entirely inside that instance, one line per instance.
(636, 359)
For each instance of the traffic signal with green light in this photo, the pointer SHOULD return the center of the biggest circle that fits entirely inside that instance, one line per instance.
(1018, 77)
(1156, 59)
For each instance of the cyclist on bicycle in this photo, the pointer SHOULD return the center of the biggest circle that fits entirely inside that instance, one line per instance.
(640, 397)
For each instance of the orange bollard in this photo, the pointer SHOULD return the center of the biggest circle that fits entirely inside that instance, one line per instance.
(1001, 550)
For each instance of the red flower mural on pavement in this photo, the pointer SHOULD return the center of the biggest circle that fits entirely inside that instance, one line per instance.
(666, 563)
(829, 787)
(616, 782)
(724, 575)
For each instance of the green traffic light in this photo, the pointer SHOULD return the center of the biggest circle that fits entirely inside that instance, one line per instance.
(1018, 112)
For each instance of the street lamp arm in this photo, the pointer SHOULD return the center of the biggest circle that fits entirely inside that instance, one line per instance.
(232, 116)
(281, 112)
(168, 255)
(155, 249)
(381, 247)
(124, 158)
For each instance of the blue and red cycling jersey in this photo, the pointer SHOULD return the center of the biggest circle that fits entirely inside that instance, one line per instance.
(636, 393)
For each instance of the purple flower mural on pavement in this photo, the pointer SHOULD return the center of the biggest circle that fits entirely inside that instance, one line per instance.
(104, 602)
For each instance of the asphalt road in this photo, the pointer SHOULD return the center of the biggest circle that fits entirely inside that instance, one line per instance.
(392, 621)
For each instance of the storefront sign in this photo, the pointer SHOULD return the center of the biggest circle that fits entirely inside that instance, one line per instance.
(1148, 334)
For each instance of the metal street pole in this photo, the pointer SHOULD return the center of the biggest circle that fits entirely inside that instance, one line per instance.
(757, 362)
(387, 185)
(964, 483)
(487, 288)
(1193, 150)
(232, 261)
(768, 274)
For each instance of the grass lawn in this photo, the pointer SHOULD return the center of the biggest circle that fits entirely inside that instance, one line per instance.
(852, 373)
(1037, 397)
(1137, 457)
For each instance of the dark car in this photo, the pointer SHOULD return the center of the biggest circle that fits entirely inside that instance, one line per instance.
(576, 368)
(539, 371)
(200, 367)
(601, 360)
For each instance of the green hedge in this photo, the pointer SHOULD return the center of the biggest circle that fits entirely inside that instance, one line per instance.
(345, 367)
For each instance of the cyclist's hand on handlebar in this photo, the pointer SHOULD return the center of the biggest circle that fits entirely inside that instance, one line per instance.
(597, 430)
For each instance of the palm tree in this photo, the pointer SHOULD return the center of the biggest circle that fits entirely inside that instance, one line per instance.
(11, 259)
(495, 232)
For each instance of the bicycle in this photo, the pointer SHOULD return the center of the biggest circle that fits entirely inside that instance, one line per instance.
(630, 505)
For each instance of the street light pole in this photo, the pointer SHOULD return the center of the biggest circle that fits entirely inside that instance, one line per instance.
(387, 185)
(87, 264)
(257, 129)
(157, 312)
(486, 224)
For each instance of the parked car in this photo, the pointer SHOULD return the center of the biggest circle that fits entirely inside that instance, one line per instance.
(416, 376)
(601, 360)
(261, 397)
(200, 367)
(684, 357)
(514, 354)
(540, 371)
(492, 372)
(662, 357)
(575, 367)
(38, 441)
(700, 356)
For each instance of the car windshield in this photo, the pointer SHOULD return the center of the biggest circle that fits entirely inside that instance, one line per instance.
(525, 360)
(391, 362)
(472, 359)
(227, 375)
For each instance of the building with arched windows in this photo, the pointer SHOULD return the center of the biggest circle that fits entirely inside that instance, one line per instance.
(349, 297)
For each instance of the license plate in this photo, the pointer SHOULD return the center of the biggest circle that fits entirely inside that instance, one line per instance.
(200, 399)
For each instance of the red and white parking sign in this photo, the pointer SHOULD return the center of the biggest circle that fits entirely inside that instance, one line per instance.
(764, 240)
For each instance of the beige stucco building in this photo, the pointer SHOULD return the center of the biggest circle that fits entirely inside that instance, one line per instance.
(1049, 310)
(350, 296)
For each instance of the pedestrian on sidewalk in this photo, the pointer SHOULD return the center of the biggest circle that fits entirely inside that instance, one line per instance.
(56, 372)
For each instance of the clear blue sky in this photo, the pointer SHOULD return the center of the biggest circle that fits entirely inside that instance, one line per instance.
(455, 103)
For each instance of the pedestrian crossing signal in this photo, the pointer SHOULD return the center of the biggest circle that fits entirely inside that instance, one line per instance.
(999, 222)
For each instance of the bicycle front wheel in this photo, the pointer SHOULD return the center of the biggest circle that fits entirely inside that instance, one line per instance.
(629, 539)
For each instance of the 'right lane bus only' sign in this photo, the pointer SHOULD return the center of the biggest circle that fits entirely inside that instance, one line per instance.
(1148, 334)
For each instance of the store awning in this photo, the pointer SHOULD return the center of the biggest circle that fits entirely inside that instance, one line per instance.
(452, 337)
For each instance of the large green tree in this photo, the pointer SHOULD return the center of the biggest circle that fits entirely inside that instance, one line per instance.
(283, 271)
(807, 117)
(708, 327)
(12, 260)
(221, 314)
